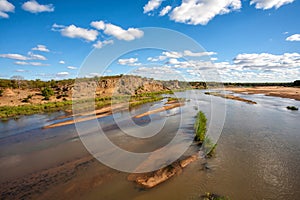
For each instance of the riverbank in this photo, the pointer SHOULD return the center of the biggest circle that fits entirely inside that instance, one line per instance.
(228, 96)
(7, 112)
(277, 91)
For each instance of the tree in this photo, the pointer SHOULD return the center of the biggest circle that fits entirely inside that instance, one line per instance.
(47, 93)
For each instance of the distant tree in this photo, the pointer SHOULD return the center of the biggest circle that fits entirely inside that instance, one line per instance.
(297, 83)
(16, 81)
(47, 93)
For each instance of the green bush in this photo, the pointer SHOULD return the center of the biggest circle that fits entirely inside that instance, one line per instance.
(200, 127)
(292, 107)
(47, 93)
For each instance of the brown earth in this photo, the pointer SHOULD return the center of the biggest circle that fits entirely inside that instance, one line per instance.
(152, 179)
(126, 85)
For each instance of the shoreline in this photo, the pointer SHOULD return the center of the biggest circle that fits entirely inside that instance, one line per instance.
(275, 91)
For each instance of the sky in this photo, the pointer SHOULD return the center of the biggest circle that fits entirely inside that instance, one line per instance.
(194, 40)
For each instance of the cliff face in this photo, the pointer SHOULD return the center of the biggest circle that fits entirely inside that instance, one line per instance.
(85, 88)
(128, 85)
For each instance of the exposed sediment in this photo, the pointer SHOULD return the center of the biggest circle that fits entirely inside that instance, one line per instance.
(152, 179)
(228, 96)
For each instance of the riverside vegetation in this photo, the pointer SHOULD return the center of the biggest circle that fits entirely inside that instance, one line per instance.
(200, 131)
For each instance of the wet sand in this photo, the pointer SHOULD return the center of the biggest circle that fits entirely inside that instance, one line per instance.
(284, 92)
(232, 97)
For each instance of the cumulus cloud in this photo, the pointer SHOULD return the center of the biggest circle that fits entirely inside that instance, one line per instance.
(73, 31)
(40, 47)
(100, 25)
(118, 32)
(267, 61)
(62, 74)
(72, 67)
(5, 7)
(99, 44)
(62, 62)
(152, 5)
(268, 4)
(244, 67)
(202, 11)
(295, 37)
(34, 7)
(122, 34)
(165, 11)
(129, 61)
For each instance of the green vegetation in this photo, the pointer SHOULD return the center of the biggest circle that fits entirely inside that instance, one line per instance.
(1, 92)
(47, 93)
(13, 111)
(200, 127)
(176, 99)
(27, 99)
(292, 108)
(209, 148)
(136, 100)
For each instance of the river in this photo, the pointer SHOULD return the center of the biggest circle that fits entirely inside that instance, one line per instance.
(257, 154)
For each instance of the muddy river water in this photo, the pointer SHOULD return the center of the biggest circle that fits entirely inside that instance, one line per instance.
(257, 156)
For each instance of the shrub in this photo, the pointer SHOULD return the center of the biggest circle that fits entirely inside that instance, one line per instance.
(200, 127)
(292, 107)
(47, 93)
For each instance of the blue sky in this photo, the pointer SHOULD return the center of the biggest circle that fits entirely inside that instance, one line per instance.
(243, 41)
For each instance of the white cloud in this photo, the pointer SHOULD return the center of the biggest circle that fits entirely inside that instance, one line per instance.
(100, 25)
(5, 7)
(121, 34)
(61, 74)
(34, 7)
(30, 63)
(164, 72)
(99, 44)
(165, 11)
(116, 31)
(14, 56)
(72, 67)
(268, 4)
(198, 54)
(33, 56)
(295, 37)
(73, 31)
(20, 70)
(202, 11)
(40, 47)
(267, 61)
(175, 54)
(129, 62)
(152, 5)
(62, 62)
